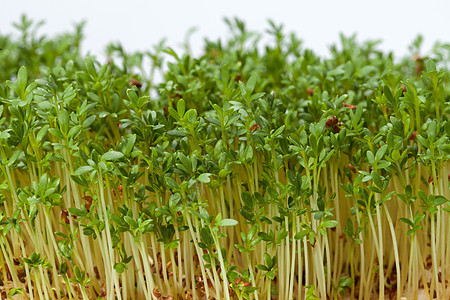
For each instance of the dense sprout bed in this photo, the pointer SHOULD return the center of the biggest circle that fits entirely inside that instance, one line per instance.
(253, 171)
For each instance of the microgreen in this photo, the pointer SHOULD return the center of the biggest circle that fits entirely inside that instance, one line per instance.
(247, 172)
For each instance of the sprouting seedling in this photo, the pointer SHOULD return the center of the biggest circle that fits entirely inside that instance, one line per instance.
(38, 264)
(414, 223)
(15, 291)
(80, 279)
(35, 261)
(269, 271)
(344, 283)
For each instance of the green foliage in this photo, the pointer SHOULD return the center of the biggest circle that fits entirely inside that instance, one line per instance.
(258, 169)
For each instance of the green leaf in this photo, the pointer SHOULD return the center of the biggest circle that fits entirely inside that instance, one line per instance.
(206, 236)
(56, 133)
(171, 52)
(422, 196)
(171, 183)
(90, 67)
(432, 131)
(240, 248)
(7, 228)
(404, 220)
(15, 291)
(370, 157)
(112, 155)
(439, 200)
(119, 267)
(22, 78)
(227, 222)
(82, 170)
(14, 157)
(27, 260)
(418, 218)
(250, 86)
(267, 260)
(13, 86)
(130, 221)
(174, 114)
(63, 121)
(4, 135)
(329, 224)
(383, 164)
(77, 272)
(191, 116)
(88, 122)
(130, 143)
(380, 153)
(388, 93)
(77, 212)
(262, 267)
(74, 131)
(376, 179)
(430, 65)
(395, 155)
(281, 236)
(118, 219)
(423, 141)
(181, 108)
(185, 161)
(132, 95)
(301, 234)
(176, 132)
(42, 133)
(204, 178)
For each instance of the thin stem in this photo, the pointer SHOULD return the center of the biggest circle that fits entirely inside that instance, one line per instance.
(397, 260)
(434, 258)
(222, 265)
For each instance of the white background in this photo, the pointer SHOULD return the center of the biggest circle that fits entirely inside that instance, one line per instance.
(139, 24)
